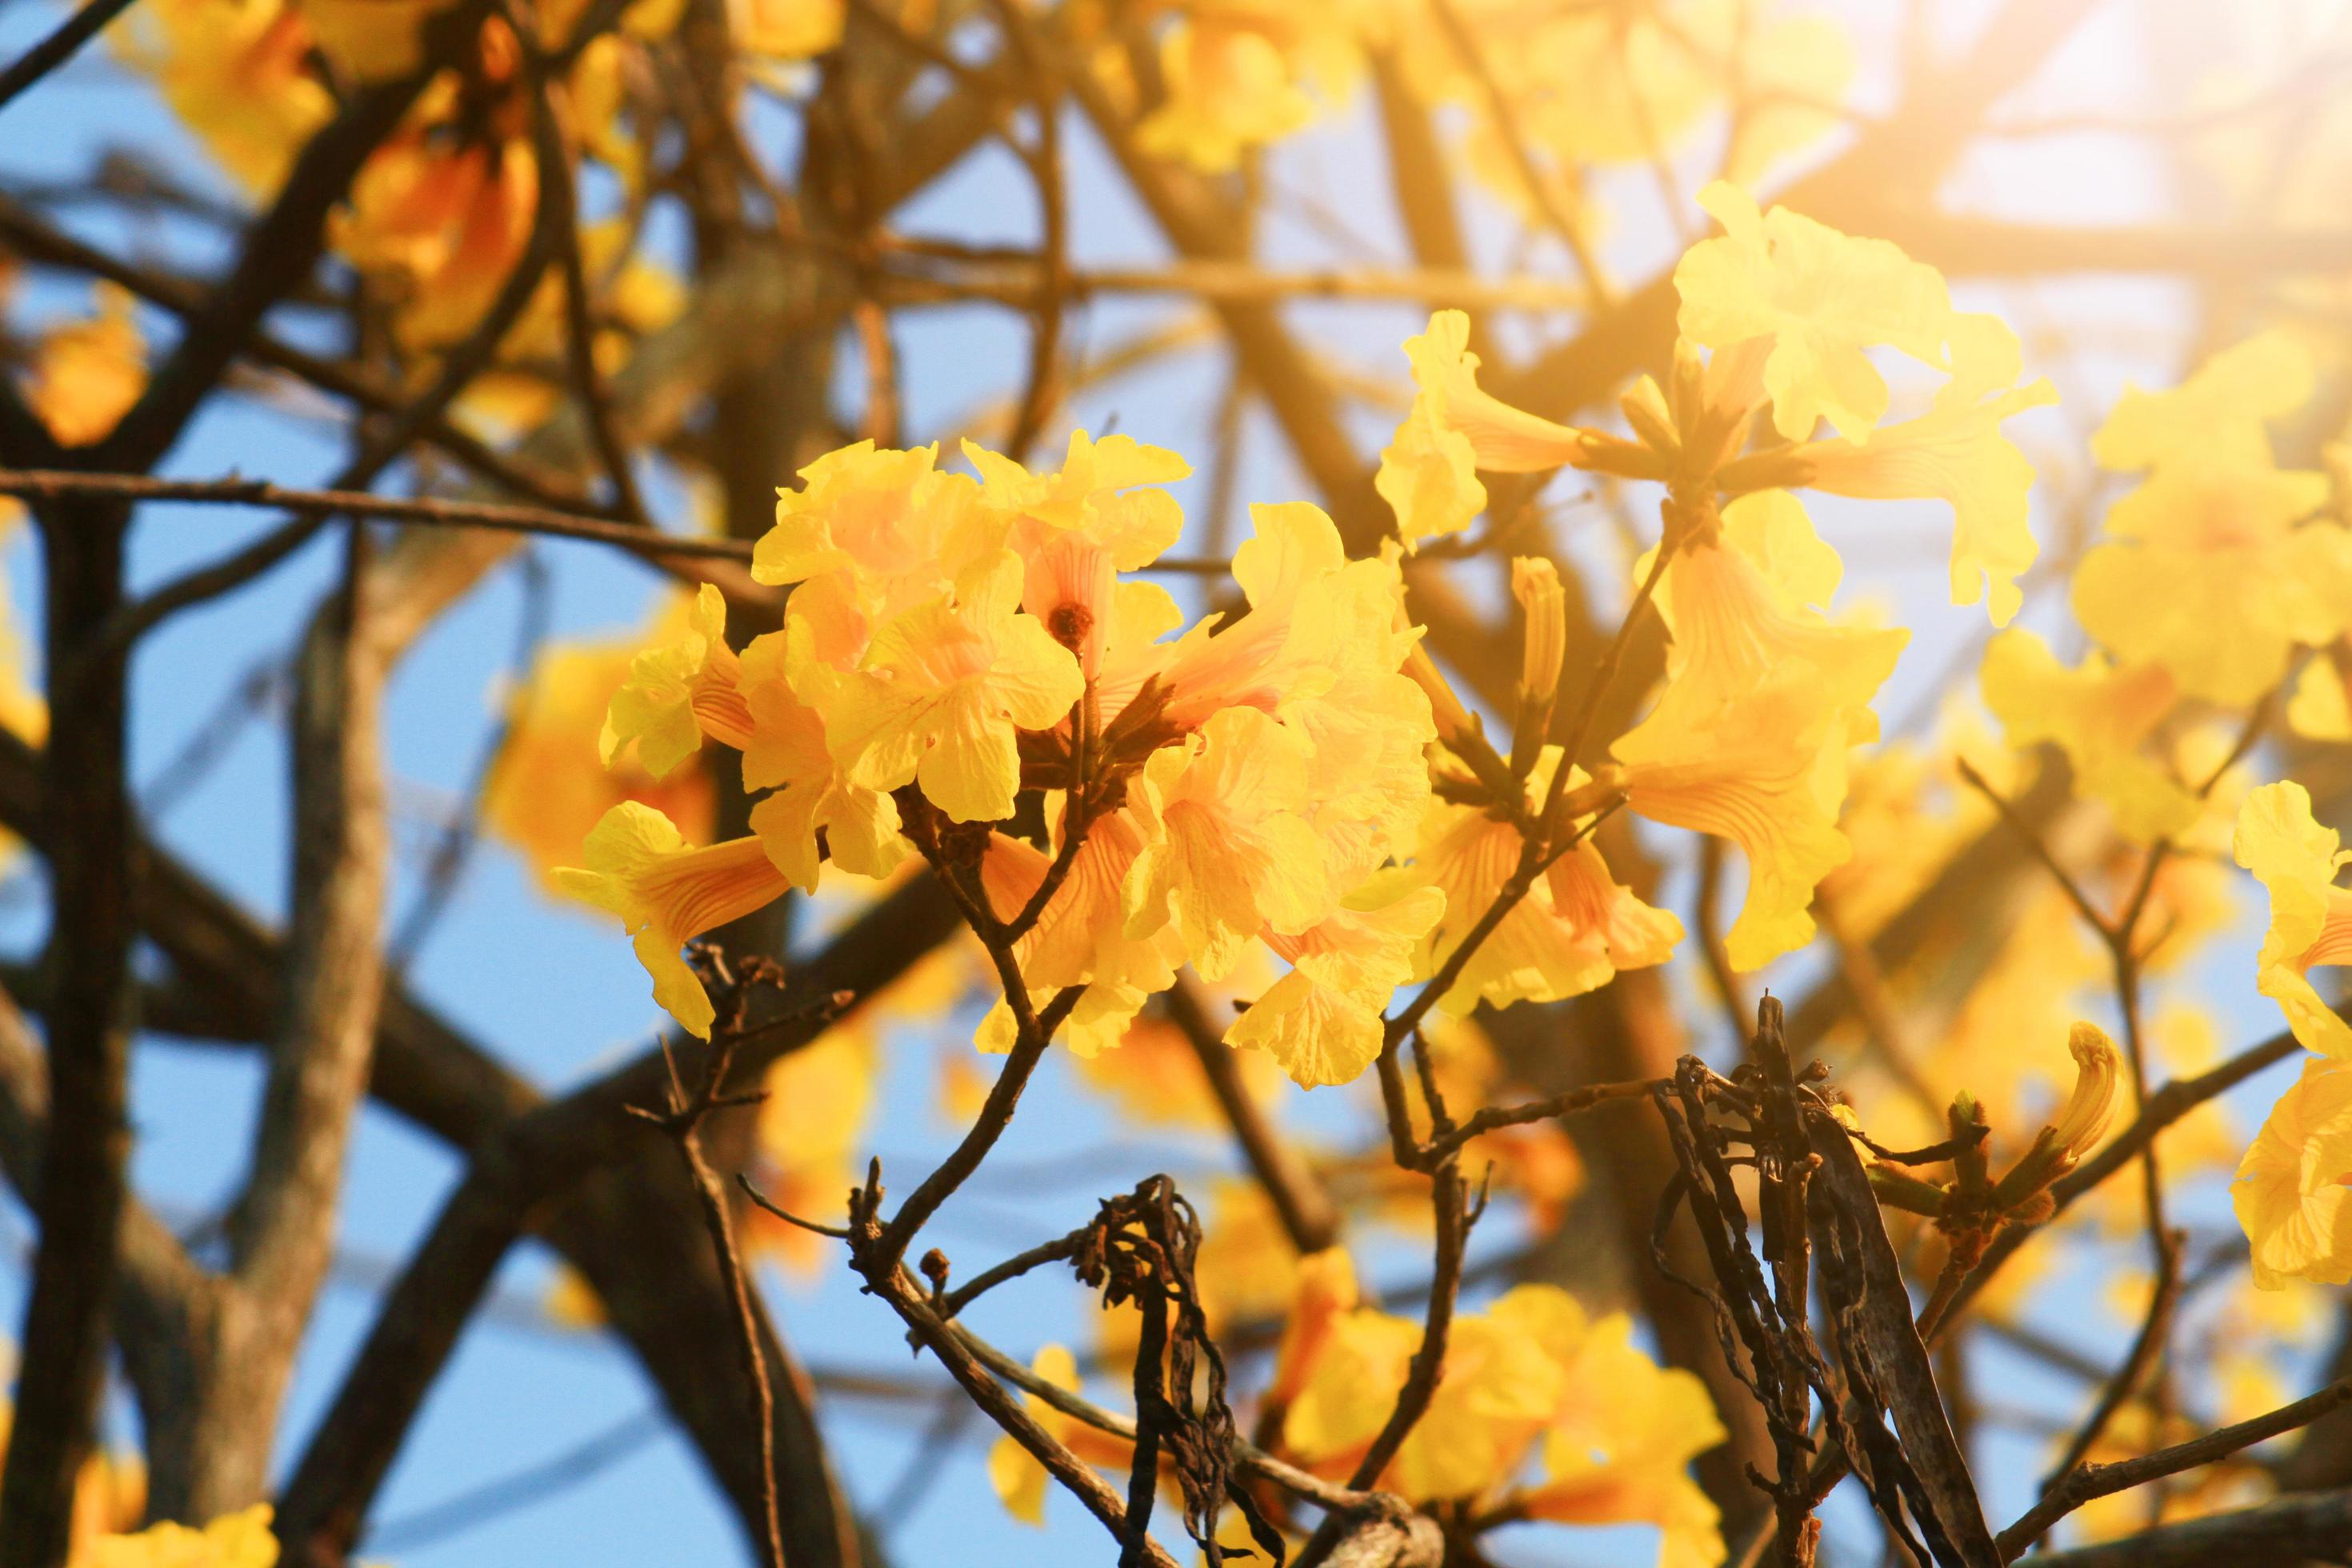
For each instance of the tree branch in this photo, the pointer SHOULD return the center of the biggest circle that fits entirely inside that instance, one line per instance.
(2086, 1482)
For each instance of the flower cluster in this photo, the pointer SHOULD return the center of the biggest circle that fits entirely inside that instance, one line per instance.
(2294, 1192)
(241, 1539)
(1541, 1411)
(1586, 86)
(442, 212)
(965, 671)
(958, 644)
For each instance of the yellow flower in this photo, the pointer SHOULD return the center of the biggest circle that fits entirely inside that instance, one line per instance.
(1429, 476)
(1291, 571)
(2083, 1121)
(1618, 1449)
(1077, 528)
(1502, 439)
(571, 1303)
(678, 694)
(786, 30)
(2293, 1191)
(1227, 852)
(2209, 574)
(1617, 1430)
(887, 517)
(1350, 1388)
(1021, 1483)
(1575, 929)
(438, 228)
(1956, 453)
(371, 40)
(109, 1495)
(236, 73)
(640, 868)
(942, 690)
(545, 791)
(1323, 1021)
(1325, 1292)
(2321, 706)
(1764, 696)
(1084, 937)
(1765, 771)
(233, 1541)
(2100, 715)
(1322, 648)
(1543, 648)
(2217, 414)
(1237, 72)
(2311, 918)
(1740, 611)
(85, 375)
(1504, 1378)
(785, 750)
(1821, 297)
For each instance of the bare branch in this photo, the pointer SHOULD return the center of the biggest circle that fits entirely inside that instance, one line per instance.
(2086, 1482)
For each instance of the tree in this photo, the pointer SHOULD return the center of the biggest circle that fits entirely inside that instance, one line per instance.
(1398, 808)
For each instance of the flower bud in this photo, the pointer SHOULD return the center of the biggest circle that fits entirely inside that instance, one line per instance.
(2061, 1146)
(1689, 382)
(1971, 1169)
(1458, 729)
(1535, 582)
(2085, 1120)
(1646, 410)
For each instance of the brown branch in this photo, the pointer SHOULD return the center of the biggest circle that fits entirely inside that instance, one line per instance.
(1491, 1118)
(423, 511)
(950, 1304)
(1247, 1457)
(1875, 1003)
(2292, 1529)
(1505, 113)
(995, 1115)
(680, 1120)
(536, 1160)
(282, 1229)
(1309, 1218)
(37, 241)
(2091, 915)
(998, 1405)
(1421, 183)
(2119, 1389)
(1043, 159)
(2086, 1482)
(166, 1302)
(377, 450)
(26, 69)
(85, 806)
(555, 163)
(279, 252)
(1448, 1202)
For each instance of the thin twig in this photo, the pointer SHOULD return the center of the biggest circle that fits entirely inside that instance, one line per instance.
(2088, 1482)
(424, 511)
(681, 1120)
(1309, 1218)
(27, 69)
